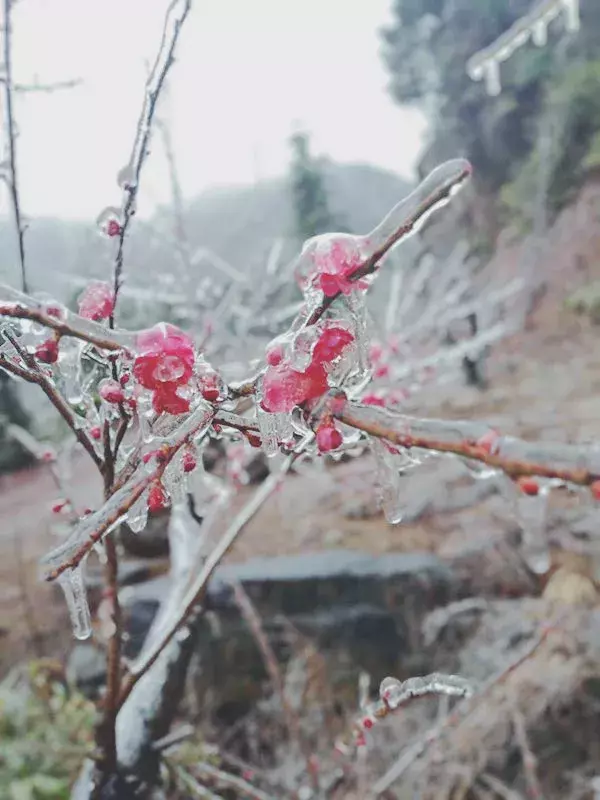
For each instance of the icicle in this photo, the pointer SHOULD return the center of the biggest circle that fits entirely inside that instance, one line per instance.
(539, 33)
(388, 477)
(71, 582)
(531, 513)
(268, 427)
(70, 370)
(492, 77)
(572, 21)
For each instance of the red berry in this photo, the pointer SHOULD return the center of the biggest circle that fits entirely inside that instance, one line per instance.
(96, 432)
(328, 438)
(111, 392)
(529, 486)
(47, 352)
(157, 498)
(189, 462)
(595, 489)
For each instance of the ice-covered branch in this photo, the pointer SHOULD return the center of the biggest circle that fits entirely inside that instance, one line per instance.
(129, 177)
(17, 305)
(95, 526)
(35, 375)
(577, 464)
(406, 218)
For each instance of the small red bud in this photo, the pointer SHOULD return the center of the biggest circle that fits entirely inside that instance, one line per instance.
(189, 462)
(47, 352)
(59, 505)
(96, 432)
(254, 439)
(124, 379)
(529, 486)
(211, 394)
(328, 438)
(113, 228)
(367, 723)
(157, 499)
(595, 489)
(111, 392)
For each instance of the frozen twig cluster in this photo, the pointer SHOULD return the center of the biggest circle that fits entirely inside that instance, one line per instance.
(145, 405)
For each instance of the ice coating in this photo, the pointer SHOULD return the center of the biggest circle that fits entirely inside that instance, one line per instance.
(394, 692)
(388, 478)
(485, 64)
(115, 510)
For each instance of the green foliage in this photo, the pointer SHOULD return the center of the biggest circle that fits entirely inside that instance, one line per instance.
(586, 301)
(46, 732)
(573, 99)
(426, 50)
(311, 208)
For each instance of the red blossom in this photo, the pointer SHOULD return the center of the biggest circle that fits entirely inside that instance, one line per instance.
(97, 301)
(284, 387)
(336, 261)
(113, 228)
(188, 461)
(165, 355)
(331, 343)
(595, 489)
(381, 371)
(166, 399)
(47, 352)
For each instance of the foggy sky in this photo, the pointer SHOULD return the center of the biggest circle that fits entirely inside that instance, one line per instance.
(248, 71)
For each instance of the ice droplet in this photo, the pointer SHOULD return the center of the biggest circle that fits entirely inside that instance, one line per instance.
(71, 582)
(106, 216)
(539, 33)
(492, 77)
(126, 177)
(531, 513)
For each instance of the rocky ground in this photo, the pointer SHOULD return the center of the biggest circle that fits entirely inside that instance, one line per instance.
(543, 384)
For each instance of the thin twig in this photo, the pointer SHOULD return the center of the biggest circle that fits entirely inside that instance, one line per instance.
(459, 713)
(253, 621)
(175, 17)
(196, 591)
(13, 183)
(534, 788)
(226, 779)
(39, 378)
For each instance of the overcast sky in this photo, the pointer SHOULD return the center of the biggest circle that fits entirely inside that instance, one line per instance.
(247, 72)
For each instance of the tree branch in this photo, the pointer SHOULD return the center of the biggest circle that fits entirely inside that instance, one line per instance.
(38, 377)
(196, 591)
(13, 183)
(175, 17)
(578, 464)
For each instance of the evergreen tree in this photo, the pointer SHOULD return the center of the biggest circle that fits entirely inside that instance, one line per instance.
(309, 196)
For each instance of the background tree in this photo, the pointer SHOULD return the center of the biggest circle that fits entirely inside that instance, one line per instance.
(312, 214)
(426, 50)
